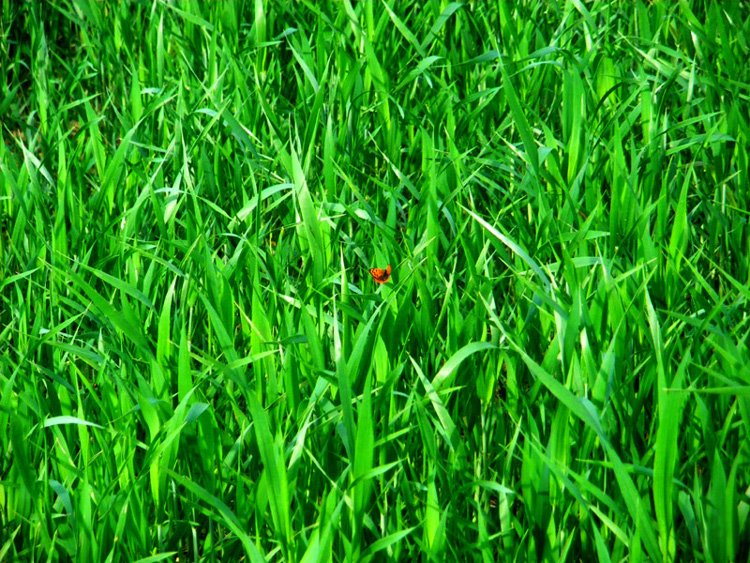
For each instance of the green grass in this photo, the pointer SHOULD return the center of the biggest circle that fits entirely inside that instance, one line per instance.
(196, 365)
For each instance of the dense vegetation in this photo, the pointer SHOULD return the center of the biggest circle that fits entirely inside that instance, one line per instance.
(195, 363)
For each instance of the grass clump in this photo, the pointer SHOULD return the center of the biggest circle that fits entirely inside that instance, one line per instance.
(196, 364)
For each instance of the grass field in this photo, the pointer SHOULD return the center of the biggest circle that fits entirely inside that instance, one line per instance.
(196, 365)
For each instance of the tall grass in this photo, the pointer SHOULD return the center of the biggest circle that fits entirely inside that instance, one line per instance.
(196, 365)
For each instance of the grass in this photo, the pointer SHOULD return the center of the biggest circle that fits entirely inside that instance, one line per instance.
(195, 364)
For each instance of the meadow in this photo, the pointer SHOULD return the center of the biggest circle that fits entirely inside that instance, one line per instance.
(197, 365)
